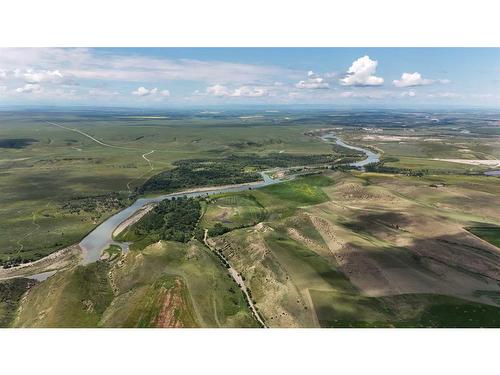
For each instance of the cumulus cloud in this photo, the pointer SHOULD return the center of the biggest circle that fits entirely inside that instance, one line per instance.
(218, 90)
(411, 79)
(29, 88)
(415, 79)
(142, 91)
(243, 91)
(361, 73)
(314, 81)
(33, 76)
(252, 92)
(3, 74)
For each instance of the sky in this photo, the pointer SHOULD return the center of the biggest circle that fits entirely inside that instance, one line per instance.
(178, 77)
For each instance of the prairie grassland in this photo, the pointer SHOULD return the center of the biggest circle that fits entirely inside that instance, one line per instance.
(37, 180)
(369, 250)
(381, 250)
(233, 211)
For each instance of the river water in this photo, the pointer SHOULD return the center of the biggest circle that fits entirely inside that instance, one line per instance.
(492, 173)
(371, 157)
(101, 237)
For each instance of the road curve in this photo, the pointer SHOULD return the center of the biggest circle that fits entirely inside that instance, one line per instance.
(88, 136)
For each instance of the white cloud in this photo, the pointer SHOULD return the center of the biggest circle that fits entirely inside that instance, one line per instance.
(3, 74)
(29, 88)
(415, 79)
(218, 90)
(83, 63)
(33, 76)
(361, 73)
(409, 93)
(243, 91)
(250, 91)
(142, 91)
(313, 81)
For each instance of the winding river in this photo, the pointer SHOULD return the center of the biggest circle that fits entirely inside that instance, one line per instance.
(101, 237)
(371, 157)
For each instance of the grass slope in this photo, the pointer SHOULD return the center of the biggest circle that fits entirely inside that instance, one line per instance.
(11, 292)
(406, 310)
(73, 298)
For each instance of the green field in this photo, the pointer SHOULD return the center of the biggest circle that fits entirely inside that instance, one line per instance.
(403, 311)
(233, 211)
(490, 234)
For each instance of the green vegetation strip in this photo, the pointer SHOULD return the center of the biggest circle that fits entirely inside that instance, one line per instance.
(489, 234)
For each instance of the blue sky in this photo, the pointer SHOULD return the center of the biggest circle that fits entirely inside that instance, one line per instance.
(174, 77)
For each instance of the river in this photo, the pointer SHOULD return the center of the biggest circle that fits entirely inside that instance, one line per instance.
(101, 237)
(371, 157)
(492, 173)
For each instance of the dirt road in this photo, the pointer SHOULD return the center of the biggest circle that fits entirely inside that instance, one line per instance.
(238, 279)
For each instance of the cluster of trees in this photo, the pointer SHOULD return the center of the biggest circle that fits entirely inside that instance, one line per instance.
(282, 160)
(98, 203)
(172, 220)
(23, 258)
(193, 173)
(217, 230)
(16, 143)
(225, 171)
(250, 143)
(381, 168)
(347, 152)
